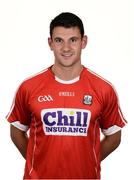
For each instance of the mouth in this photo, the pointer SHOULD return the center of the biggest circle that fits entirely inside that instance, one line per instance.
(67, 55)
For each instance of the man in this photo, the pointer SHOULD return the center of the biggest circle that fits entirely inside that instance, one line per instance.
(64, 107)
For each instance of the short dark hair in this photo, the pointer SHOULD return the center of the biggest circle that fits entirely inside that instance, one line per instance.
(67, 20)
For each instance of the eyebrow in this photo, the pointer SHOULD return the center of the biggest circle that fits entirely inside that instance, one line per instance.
(73, 37)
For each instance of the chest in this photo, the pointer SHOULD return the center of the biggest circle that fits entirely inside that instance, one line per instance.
(65, 110)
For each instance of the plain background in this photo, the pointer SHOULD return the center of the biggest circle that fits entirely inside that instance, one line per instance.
(24, 29)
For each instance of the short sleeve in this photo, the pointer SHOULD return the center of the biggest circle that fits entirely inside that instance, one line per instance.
(19, 115)
(111, 120)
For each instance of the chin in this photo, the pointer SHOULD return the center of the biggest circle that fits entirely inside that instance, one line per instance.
(68, 64)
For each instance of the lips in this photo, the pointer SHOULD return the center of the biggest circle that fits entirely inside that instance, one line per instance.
(67, 55)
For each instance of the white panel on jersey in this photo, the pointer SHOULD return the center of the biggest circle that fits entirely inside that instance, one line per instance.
(65, 121)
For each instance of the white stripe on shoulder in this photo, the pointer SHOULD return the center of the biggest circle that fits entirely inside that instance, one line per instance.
(100, 77)
(13, 103)
(20, 126)
(105, 81)
(121, 115)
(41, 72)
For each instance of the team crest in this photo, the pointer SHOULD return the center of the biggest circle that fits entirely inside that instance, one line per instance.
(87, 99)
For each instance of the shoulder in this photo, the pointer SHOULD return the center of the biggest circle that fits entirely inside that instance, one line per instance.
(36, 77)
(98, 81)
(101, 86)
(103, 89)
(34, 81)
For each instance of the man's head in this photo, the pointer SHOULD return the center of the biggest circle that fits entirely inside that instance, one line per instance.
(67, 40)
(67, 20)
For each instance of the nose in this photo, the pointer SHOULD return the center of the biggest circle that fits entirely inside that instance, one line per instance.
(66, 46)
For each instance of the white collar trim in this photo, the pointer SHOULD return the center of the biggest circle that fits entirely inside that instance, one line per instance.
(67, 82)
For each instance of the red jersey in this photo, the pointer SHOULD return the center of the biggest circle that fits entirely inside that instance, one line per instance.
(64, 119)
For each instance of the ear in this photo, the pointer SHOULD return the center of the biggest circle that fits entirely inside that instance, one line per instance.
(50, 43)
(84, 41)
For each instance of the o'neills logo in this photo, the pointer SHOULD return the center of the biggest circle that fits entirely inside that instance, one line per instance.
(65, 121)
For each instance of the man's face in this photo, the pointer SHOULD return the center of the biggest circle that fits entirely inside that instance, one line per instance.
(67, 43)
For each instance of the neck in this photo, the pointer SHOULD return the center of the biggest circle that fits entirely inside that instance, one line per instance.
(67, 73)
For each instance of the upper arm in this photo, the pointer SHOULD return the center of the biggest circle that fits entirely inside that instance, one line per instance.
(16, 133)
(111, 120)
(20, 115)
(115, 138)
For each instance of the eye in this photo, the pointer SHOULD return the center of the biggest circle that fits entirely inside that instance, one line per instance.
(73, 40)
(58, 40)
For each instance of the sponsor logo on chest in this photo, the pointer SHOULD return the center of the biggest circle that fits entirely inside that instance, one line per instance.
(65, 121)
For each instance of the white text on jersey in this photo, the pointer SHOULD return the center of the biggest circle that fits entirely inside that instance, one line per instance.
(66, 93)
(45, 98)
